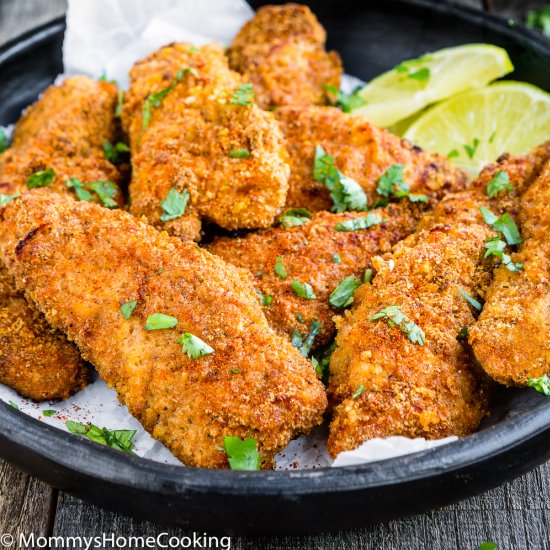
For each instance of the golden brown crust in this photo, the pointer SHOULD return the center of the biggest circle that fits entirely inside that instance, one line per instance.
(511, 338)
(307, 252)
(72, 261)
(187, 142)
(361, 151)
(281, 51)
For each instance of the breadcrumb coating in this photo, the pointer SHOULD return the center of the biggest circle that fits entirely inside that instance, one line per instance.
(80, 262)
(281, 51)
(189, 143)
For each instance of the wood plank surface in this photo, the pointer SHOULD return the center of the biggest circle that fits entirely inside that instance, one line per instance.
(515, 516)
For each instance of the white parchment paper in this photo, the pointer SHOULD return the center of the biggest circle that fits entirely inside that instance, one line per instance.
(108, 37)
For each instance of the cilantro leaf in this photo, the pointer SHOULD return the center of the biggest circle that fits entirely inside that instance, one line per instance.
(395, 317)
(495, 247)
(117, 439)
(322, 364)
(194, 346)
(303, 290)
(105, 191)
(280, 269)
(471, 149)
(115, 153)
(541, 384)
(342, 295)
(243, 95)
(128, 308)
(49, 412)
(119, 103)
(264, 299)
(392, 183)
(452, 154)
(414, 69)
(367, 277)
(346, 193)
(294, 217)
(160, 321)
(304, 344)
(505, 225)
(174, 204)
(4, 140)
(41, 178)
(13, 405)
(500, 182)
(242, 454)
(358, 391)
(239, 153)
(4, 199)
(539, 19)
(364, 222)
(336, 258)
(469, 299)
(347, 102)
(487, 546)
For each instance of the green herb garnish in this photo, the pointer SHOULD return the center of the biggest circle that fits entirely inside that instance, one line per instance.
(4, 140)
(452, 154)
(299, 317)
(392, 183)
(49, 412)
(500, 182)
(105, 191)
(41, 178)
(128, 308)
(342, 295)
(539, 19)
(242, 454)
(194, 346)
(174, 204)
(4, 199)
(367, 277)
(280, 269)
(471, 149)
(495, 247)
(541, 384)
(469, 299)
(395, 317)
(264, 299)
(346, 193)
(303, 290)
(358, 391)
(364, 222)
(505, 225)
(304, 344)
(243, 95)
(160, 321)
(294, 217)
(347, 102)
(239, 153)
(336, 258)
(117, 439)
(413, 69)
(13, 405)
(119, 103)
(115, 153)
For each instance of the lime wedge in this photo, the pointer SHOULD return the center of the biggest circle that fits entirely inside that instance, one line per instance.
(414, 84)
(476, 127)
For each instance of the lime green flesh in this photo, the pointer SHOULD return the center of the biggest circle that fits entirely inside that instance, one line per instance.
(395, 95)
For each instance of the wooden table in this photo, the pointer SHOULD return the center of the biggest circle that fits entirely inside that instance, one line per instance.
(516, 515)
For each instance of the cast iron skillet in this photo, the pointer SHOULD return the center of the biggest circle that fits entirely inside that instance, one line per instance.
(370, 38)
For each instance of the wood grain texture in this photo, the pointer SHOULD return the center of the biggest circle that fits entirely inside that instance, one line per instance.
(516, 515)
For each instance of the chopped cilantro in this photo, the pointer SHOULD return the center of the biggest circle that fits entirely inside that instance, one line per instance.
(194, 346)
(4, 140)
(264, 299)
(235, 371)
(541, 384)
(243, 95)
(495, 247)
(294, 217)
(105, 191)
(303, 290)
(395, 317)
(160, 321)
(119, 103)
(342, 295)
(492, 136)
(358, 391)
(280, 269)
(239, 153)
(471, 149)
(103, 78)
(500, 182)
(41, 178)
(299, 317)
(304, 344)
(115, 153)
(242, 454)
(463, 335)
(469, 299)
(174, 204)
(117, 439)
(364, 222)
(347, 102)
(323, 362)
(13, 405)
(452, 154)
(128, 308)
(414, 69)
(336, 258)
(367, 277)
(539, 19)
(4, 199)
(392, 183)
(346, 193)
(49, 412)
(487, 546)
(505, 225)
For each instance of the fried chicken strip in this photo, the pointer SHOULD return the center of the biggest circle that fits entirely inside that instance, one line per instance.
(194, 129)
(511, 338)
(65, 131)
(387, 377)
(316, 253)
(79, 263)
(281, 51)
(361, 151)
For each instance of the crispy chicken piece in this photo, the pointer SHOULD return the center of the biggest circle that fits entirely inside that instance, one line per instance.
(80, 263)
(511, 338)
(385, 378)
(361, 151)
(315, 253)
(64, 130)
(281, 51)
(191, 124)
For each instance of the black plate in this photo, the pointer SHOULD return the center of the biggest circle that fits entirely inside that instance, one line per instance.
(371, 38)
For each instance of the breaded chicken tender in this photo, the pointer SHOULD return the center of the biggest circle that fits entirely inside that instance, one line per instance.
(316, 253)
(200, 146)
(64, 131)
(403, 370)
(511, 338)
(80, 263)
(281, 51)
(361, 151)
